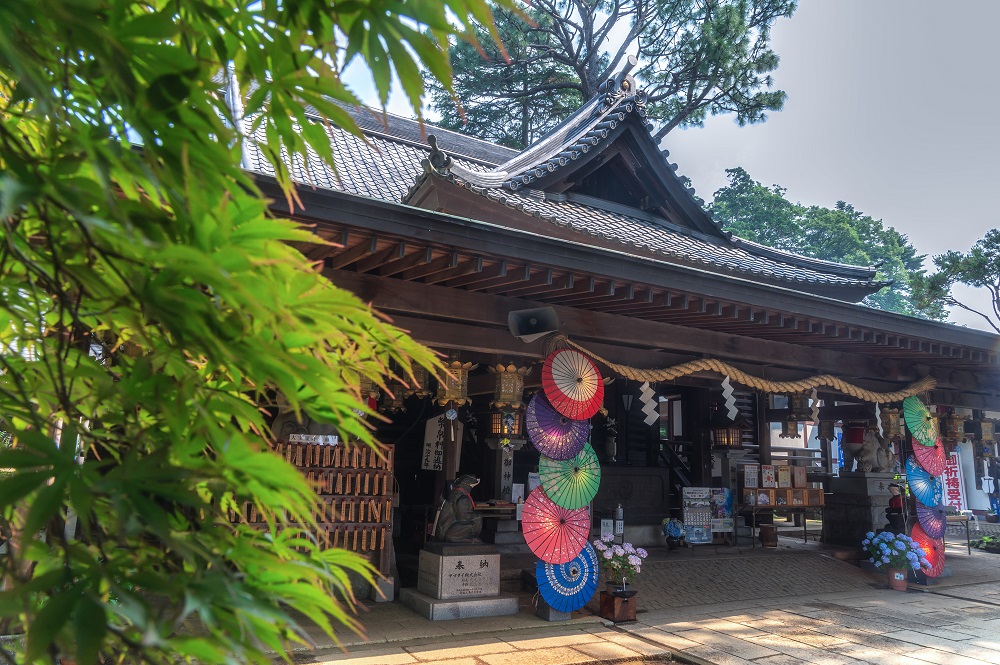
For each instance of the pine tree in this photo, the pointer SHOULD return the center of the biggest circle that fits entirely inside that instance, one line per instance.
(696, 57)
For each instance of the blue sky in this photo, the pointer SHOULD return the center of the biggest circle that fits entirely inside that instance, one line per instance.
(891, 107)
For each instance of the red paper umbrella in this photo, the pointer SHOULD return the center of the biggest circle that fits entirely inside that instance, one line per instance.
(572, 384)
(933, 550)
(931, 458)
(554, 534)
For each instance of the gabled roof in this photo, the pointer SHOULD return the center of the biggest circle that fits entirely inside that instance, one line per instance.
(395, 163)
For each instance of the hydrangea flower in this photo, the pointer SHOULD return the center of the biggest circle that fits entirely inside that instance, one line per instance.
(608, 554)
(641, 552)
(634, 560)
(618, 550)
(629, 549)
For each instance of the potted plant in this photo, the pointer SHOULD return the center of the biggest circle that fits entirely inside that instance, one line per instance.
(673, 531)
(895, 552)
(992, 517)
(621, 564)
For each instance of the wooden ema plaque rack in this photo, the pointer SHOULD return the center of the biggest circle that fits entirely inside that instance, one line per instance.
(354, 488)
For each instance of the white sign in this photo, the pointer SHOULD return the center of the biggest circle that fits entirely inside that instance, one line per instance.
(606, 528)
(322, 439)
(954, 483)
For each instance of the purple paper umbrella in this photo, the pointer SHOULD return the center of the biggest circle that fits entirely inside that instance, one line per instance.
(554, 434)
(933, 519)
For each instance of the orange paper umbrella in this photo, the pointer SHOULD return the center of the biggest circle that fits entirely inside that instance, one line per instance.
(572, 384)
(554, 534)
(933, 549)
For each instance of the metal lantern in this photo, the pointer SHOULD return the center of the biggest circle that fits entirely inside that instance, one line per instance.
(454, 387)
(728, 433)
(892, 427)
(510, 386)
(420, 383)
(826, 428)
(789, 428)
(986, 430)
(394, 400)
(953, 427)
(798, 406)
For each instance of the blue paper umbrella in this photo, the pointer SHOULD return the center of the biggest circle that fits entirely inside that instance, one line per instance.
(925, 487)
(568, 586)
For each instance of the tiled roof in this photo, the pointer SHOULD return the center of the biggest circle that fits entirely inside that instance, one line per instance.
(389, 167)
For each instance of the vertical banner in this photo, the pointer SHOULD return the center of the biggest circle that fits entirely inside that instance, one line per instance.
(954, 484)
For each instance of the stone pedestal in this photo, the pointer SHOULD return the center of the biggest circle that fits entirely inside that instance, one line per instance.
(459, 571)
(856, 506)
(459, 582)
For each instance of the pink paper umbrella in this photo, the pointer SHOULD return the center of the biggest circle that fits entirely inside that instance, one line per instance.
(554, 534)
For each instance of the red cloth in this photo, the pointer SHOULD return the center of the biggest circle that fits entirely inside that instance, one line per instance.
(896, 503)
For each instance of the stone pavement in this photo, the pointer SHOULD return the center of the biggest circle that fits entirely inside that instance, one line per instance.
(723, 606)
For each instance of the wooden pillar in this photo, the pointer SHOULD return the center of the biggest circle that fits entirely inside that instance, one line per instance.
(763, 429)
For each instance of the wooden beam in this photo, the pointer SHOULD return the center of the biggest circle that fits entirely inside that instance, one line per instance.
(437, 265)
(349, 256)
(417, 258)
(395, 296)
(465, 268)
(498, 269)
(378, 259)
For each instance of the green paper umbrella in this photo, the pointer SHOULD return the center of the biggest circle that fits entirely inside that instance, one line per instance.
(571, 483)
(922, 425)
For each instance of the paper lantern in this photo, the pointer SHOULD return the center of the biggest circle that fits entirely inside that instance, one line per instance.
(394, 401)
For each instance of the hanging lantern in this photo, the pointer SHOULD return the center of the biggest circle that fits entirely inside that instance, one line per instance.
(789, 428)
(953, 427)
(728, 433)
(892, 427)
(454, 387)
(986, 429)
(419, 383)
(394, 401)
(826, 428)
(510, 386)
(798, 406)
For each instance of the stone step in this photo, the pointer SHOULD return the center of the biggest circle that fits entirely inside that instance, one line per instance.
(460, 608)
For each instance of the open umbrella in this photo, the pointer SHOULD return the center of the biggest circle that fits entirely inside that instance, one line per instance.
(933, 550)
(933, 520)
(554, 434)
(571, 483)
(568, 586)
(922, 425)
(554, 534)
(932, 458)
(925, 487)
(573, 384)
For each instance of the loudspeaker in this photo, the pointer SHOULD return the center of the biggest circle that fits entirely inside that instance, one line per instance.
(530, 324)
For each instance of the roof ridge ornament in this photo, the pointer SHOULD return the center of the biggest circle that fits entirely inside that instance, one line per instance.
(437, 161)
(622, 87)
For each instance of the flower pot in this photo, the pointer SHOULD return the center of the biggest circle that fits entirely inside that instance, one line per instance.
(897, 579)
(617, 609)
(992, 518)
(673, 543)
